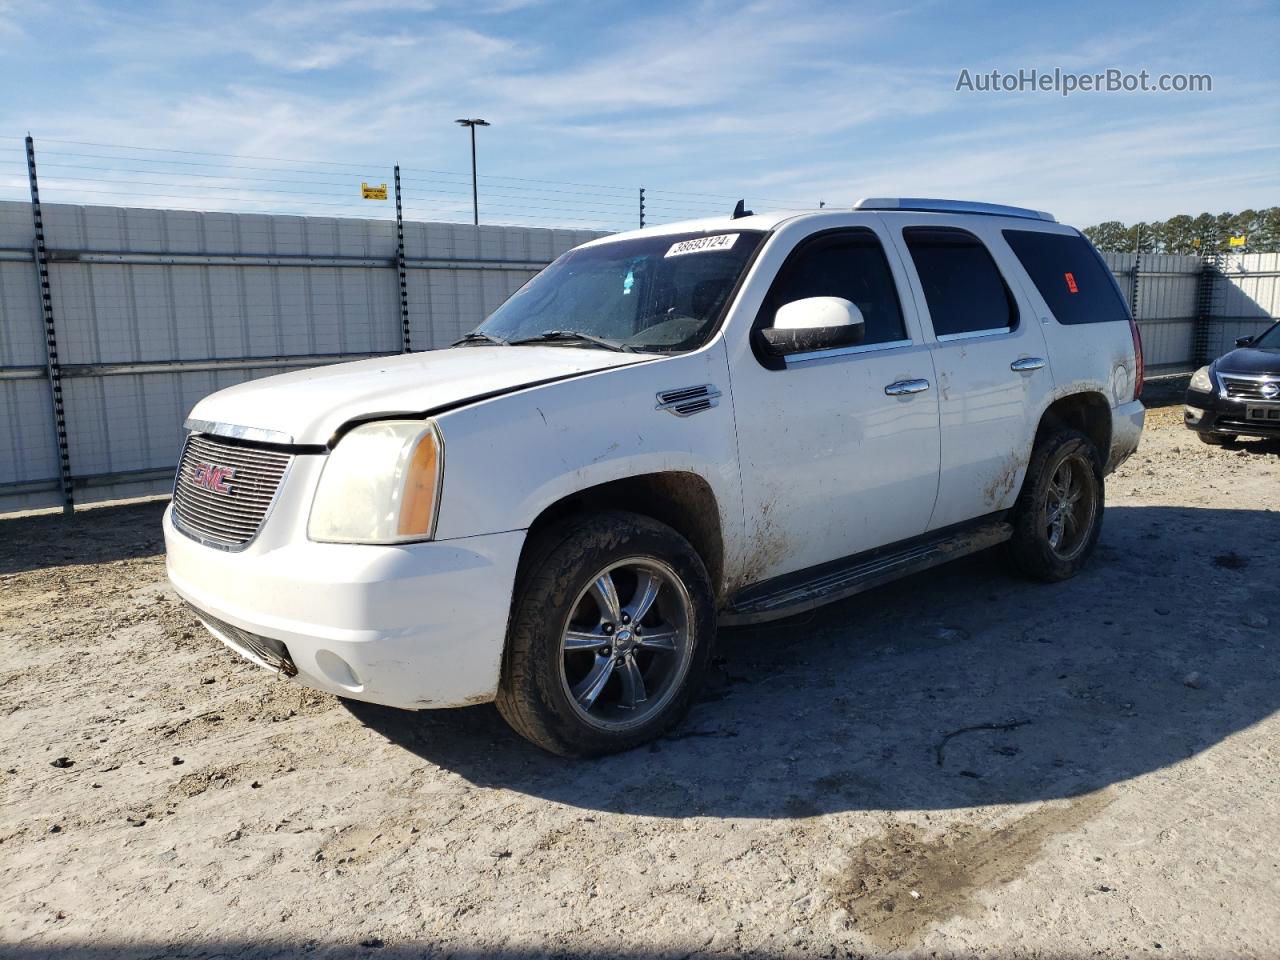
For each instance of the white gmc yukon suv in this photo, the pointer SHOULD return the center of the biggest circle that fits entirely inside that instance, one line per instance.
(713, 422)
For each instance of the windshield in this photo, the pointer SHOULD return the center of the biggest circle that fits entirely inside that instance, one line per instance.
(1269, 339)
(658, 293)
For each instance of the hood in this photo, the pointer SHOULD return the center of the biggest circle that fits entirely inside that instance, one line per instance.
(309, 405)
(1250, 360)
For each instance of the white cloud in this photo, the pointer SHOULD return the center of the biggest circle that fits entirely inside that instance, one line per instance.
(712, 55)
(790, 100)
(1127, 171)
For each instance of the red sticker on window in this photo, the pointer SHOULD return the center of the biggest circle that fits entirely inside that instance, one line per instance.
(1071, 283)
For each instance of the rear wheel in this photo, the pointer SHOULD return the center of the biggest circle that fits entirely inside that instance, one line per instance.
(1058, 516)
(611, 631)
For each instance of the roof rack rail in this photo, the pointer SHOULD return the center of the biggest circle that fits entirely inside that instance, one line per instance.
(951, 206)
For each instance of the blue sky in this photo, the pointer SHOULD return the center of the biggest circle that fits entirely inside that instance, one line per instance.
(790, 101)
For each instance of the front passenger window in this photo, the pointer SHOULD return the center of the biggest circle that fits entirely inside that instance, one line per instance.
(850, 265)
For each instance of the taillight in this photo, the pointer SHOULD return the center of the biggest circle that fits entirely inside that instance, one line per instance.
(1139, 368)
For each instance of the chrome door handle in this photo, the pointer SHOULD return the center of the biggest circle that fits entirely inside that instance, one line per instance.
(1027, 364)
(902, 388)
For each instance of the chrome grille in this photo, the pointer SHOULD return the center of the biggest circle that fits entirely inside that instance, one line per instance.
(224, 489)
(1246, 388)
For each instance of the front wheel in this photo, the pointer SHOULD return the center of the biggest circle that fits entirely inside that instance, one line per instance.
(611, 630)
(1058, 516)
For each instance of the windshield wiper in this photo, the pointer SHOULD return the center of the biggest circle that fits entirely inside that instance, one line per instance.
(574, 336)
(479, 336)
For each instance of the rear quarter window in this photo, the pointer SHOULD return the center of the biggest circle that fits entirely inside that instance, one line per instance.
(1075, 283)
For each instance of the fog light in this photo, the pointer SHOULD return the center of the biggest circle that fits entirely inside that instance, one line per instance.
(1193, 414)
(338, 671)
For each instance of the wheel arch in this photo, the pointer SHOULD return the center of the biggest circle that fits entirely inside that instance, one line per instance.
(1087, 411)
(683, 500)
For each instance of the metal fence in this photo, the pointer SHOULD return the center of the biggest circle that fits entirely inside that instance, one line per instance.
(1191, 309)
(149, 310)
(154, 309)
(115, 320)
(1243, 298)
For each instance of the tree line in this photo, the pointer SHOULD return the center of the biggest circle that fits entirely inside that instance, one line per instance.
(1206, 233)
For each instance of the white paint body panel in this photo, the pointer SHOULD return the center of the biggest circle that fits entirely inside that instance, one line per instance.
(989, 412)
(309, 405)
(1094, 357)
(510, 457)
(830, 465)
(806, 464)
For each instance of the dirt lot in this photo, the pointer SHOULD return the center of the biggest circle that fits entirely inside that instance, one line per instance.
(963, 764)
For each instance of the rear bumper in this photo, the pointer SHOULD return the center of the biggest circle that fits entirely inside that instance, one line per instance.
(414, 625)
(1126, 432)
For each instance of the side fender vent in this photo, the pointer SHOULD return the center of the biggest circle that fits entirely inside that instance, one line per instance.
(686, 401)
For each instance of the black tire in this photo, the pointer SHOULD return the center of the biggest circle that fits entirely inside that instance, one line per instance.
(1032, 550)
(534, 694)
(1216, 439)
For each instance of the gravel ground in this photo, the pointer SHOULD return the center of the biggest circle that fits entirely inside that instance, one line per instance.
(961, 764)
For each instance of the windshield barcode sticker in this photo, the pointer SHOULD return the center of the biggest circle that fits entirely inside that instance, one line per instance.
(721, 241)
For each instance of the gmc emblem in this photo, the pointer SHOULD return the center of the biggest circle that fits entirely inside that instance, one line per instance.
(212, 477)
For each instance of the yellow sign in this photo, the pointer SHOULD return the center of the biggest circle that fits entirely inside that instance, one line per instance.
(373, 193)
(1237, 241)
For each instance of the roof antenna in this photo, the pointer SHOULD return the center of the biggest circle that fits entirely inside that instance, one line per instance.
(740, 211)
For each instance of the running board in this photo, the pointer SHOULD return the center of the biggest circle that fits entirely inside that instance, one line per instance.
(795, 593)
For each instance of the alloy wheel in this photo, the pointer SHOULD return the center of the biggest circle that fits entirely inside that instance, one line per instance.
(1070, 508)
(626, 646)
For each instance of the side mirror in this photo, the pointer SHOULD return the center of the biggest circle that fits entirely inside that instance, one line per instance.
(1243, 341)
(814, 323)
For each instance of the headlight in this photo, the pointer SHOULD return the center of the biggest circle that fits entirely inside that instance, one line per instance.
(1200, 381)
(381, 484)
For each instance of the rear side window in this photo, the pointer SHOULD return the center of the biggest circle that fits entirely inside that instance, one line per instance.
(851, 265)
(962, 286)
(1070, 275)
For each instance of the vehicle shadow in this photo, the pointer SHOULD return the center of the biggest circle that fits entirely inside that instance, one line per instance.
(1261, 446)
(1166, 391)
(91, 535)
(959, 686)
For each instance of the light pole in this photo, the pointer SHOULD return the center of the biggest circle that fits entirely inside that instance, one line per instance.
(475, 195)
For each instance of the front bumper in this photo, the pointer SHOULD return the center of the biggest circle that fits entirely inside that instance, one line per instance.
(1225, 416)
(415, 625)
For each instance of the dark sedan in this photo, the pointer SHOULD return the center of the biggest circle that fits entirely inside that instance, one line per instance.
(1239, 393)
